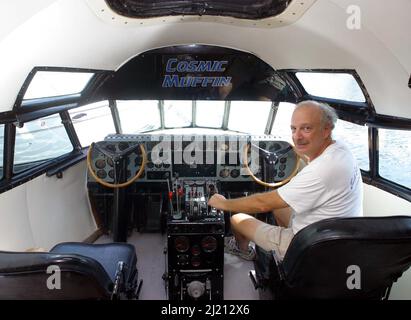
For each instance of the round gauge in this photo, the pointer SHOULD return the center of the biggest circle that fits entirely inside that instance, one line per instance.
(181, 244)
(195, 250)
(209, 244)
(224, 173)
(110, 162)
(150, 165)
(196, 261)
(123, 145)
(182, 259)
(111, 174)
(101, 174)
(234, 173)
(100, 163)
(189, 182)
(111, 147)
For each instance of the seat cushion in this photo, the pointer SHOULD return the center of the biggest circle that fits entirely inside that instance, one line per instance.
(108, 255)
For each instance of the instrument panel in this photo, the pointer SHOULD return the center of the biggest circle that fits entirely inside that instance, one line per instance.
(219, 157)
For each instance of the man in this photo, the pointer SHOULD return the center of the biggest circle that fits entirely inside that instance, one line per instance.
(329, 186)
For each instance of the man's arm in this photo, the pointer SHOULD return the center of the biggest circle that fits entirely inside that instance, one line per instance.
(260, 202)
(283, 216)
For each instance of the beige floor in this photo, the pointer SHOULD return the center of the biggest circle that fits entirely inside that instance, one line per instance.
(152, 261)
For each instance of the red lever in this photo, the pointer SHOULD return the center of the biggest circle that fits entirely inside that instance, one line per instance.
(170, 195)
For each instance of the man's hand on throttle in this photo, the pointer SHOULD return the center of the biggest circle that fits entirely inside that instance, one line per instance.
(217, 201)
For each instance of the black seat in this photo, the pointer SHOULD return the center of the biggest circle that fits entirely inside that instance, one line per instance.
(339, 258)
(87, 271)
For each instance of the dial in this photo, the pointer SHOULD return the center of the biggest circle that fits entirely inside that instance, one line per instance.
(209, 244)
(100, 163)
(181, 244)
(224, 173)
(101, 174)
(234, 173)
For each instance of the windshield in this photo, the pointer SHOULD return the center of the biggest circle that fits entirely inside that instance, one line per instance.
(173, 117)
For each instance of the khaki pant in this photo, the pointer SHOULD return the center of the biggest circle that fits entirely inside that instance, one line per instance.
(275, 238)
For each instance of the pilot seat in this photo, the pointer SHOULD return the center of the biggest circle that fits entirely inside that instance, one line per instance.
(338, 258)
(71, 270)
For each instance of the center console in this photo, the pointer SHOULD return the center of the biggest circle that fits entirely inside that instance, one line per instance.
(195, 243)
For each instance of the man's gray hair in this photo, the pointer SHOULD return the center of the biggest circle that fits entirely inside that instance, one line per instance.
(328, 114)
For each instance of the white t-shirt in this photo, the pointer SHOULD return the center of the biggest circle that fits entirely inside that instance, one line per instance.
(329, 186)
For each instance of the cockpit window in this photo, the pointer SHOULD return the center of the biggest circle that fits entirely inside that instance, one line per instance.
(92, 122)
(178, 113)
(332, 85)
(210, 113)
(139, 115)
(245, 9)
(249, 116)
(39, 141)
(53, 83)
(356, 138)
(395, 155)
(281, 127)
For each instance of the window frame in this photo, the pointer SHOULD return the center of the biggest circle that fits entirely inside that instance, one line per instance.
(51, 167)
(373, 177)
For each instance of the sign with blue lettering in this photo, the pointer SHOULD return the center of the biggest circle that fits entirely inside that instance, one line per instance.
(196, 72)
(185, 74)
